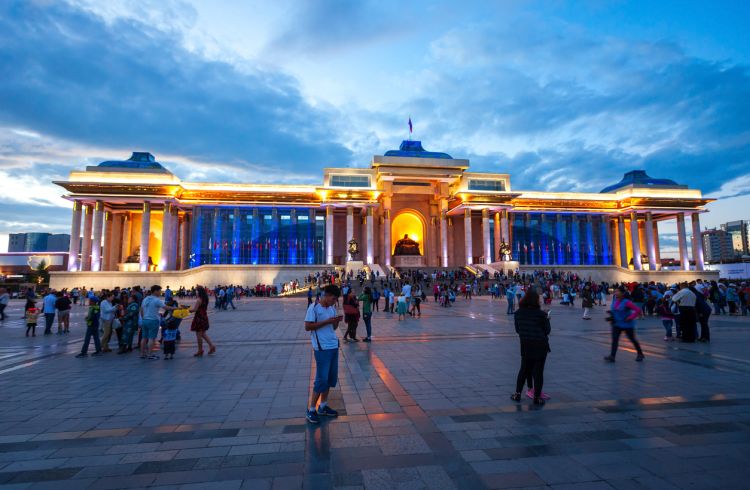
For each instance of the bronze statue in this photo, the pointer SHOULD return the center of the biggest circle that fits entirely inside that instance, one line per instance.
(505, 251)
(353, 249)
(407, 246)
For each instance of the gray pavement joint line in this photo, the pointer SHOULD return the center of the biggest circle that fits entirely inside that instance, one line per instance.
(423, 424)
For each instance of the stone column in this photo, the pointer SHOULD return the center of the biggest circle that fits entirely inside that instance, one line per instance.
(329, 235)
(387, 249)
(452, 243)
(86, 242)
(622, 241)
(107, 255)
(635, 241)
(682, 240)
(495, 256)
(175, 237)
(443, 236)
(75, 238)
(145, 233)
(656, 244)
(235, 243)
(96, 243)
(165, 232)
(370, 236)
(127, 224)
(486, 242)
(349, 223)
(184, 240)
(469, 250)
(697, 243)
(650, 245)
(116, 244)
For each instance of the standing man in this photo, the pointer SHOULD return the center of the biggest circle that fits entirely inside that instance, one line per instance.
(150, 320)
(686, 300)
(702, 312)
(321, 321)
(4, 300)
(106, 317)
(49, 311)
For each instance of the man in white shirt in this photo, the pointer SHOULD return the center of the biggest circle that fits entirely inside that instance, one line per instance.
(106, 317)
(686, 299)
(321, 321)
(150, 307)
(49, 311)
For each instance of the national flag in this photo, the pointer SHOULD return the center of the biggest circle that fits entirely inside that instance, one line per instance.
(410, 126)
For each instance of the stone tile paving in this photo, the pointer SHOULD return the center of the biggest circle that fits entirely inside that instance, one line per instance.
(426, 405)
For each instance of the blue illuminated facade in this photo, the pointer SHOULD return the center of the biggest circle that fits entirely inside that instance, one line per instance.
(257, 235)
(561, 239)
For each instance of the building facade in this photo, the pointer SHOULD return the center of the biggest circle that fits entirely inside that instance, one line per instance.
(38, 242)
(136, 215)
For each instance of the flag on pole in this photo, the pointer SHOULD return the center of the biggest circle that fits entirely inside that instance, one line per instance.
(410, 126)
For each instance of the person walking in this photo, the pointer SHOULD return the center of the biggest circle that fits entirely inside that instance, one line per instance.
(48, 308)
(321, 320)
(533, 329)
(587, 302)
(367, 302)
(623, 314)
(62, 305)
(351, 316)
(200, 322)
(510, 295)
(4, 300)
(92, 328)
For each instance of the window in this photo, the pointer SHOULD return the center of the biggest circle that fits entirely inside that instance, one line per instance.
(486, 185)
(349, 181)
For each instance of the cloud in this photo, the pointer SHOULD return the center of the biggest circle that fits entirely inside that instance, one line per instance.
(121, 83)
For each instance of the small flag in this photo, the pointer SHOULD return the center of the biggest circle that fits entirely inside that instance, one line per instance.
(410, 126)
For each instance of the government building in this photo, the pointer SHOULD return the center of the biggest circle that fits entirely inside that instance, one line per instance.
(135, 222)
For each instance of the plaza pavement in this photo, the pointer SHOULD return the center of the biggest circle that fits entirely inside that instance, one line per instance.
(425, 405)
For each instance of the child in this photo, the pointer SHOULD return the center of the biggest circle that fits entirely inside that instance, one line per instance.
(401, 308)
(169, 339)
(667, 317)
(32, 313)
(92, 328)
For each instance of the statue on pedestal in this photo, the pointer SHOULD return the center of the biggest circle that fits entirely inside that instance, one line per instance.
(407, 246)
(505, 251)
(353, 249)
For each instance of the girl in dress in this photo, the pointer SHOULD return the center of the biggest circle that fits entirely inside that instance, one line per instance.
(200, 322)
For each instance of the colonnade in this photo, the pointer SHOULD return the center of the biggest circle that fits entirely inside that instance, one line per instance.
(105, 240)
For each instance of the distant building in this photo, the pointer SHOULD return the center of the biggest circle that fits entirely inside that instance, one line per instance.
(739, 236)
(717, 246)
(38, 242)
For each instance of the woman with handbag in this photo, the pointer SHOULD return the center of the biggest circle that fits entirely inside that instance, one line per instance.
(351, 316)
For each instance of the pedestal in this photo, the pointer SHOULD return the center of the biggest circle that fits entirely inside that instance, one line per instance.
(129, 267)
(354, 265)
(506, 266)
(408, 261)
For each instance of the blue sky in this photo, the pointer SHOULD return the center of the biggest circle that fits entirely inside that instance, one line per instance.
(563, 95)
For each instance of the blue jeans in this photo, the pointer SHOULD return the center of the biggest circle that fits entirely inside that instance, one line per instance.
(326, 369)
(49, 319)
(667, 326)
(510, 307)
(91, 331)
(367, 317)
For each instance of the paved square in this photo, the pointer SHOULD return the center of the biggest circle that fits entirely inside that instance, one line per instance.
(425, 405)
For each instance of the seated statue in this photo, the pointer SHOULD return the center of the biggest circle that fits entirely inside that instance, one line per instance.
(407, 246)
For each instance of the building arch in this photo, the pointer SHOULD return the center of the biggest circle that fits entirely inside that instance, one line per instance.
(412, 223)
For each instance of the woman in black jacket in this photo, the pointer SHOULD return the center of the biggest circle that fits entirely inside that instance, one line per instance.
(533, 328)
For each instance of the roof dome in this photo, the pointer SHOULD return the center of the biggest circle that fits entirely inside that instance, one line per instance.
(639, 178)
(413, 149)
(139, 159)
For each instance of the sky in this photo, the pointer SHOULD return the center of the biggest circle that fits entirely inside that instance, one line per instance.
(564, 96)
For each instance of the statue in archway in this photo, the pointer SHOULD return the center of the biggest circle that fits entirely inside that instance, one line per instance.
(505, 251)
(353, 249)
(407, 246)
